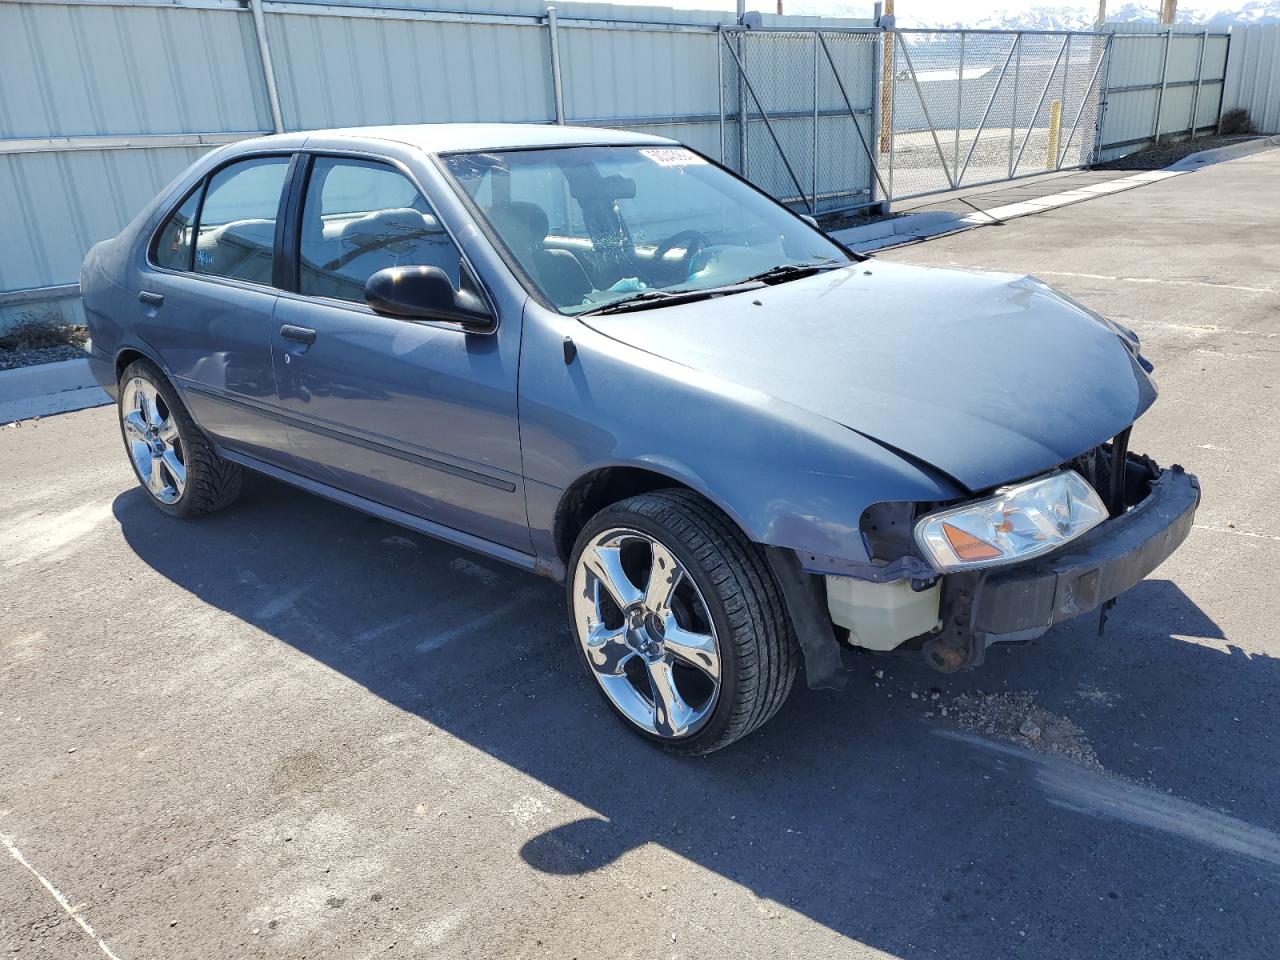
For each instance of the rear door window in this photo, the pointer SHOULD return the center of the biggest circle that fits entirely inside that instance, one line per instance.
(174, 241)
(359, 217)
(236, 234)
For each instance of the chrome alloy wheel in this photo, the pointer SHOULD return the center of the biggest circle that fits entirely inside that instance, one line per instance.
(152, 437)
(647, 633)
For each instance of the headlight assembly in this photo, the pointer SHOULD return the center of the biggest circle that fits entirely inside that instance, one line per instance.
(1018, 523)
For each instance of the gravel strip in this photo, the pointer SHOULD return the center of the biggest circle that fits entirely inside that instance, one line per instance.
(1164, 154)
(12, 359)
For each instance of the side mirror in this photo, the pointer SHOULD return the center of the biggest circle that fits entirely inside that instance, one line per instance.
(811, 221)
(425, 293)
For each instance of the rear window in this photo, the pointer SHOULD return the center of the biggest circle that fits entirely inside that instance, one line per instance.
(174, 241)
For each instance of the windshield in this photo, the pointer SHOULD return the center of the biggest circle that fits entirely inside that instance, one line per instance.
(593, 226)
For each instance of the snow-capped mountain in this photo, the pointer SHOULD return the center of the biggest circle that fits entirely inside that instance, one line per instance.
(1082, 18)
(1049, 16)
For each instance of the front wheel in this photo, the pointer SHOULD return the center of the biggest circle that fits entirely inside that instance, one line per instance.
(680, 621)
(175, 463)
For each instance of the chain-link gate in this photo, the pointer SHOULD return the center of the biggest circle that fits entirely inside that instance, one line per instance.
(798, 115)
(829, 120)
(977, 106)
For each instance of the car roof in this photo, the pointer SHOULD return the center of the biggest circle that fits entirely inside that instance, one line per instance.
(448, 137)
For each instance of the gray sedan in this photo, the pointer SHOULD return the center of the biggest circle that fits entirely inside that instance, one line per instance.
(602, 357)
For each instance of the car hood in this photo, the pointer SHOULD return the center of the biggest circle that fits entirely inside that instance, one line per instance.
(989, 378)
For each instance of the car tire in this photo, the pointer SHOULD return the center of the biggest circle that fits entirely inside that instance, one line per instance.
(724, 628)
(174, 461)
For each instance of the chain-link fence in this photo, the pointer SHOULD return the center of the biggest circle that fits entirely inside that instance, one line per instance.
(969, 107)
(799, 114)
(833, 120)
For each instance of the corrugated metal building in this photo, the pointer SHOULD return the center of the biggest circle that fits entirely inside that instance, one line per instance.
(1253, 75)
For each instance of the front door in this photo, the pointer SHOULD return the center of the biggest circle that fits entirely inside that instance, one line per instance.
(419, 416)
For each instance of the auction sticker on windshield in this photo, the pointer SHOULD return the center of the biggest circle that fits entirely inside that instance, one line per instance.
(672, 156)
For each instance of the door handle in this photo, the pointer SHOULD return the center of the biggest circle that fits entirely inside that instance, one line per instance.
(301, 334)
(151, 299)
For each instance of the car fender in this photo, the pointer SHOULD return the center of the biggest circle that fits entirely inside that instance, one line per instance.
(788, 477)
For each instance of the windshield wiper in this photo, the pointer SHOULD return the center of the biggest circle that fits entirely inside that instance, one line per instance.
(648, 299)
(791, 271)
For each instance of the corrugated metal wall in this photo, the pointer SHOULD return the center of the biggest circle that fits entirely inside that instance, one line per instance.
(101, 71)
(144, 87)
(350, 70)
(1157, 69)
(1253, 75)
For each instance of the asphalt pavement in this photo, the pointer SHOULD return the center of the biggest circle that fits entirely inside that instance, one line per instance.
(290, 730)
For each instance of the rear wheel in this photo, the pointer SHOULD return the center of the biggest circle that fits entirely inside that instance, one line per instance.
(680, 621)
(177, 466)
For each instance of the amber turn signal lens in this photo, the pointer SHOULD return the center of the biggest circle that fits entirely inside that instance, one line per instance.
(967, 546)
(1017, 523)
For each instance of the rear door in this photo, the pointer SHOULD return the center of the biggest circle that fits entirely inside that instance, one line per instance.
(206, 303)
(416, 415)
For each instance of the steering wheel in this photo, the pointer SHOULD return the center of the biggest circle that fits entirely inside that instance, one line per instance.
(693, 241)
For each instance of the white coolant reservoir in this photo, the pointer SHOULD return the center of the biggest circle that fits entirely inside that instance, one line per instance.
(879, 616)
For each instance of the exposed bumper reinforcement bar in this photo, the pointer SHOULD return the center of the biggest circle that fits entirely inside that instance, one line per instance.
(1023, 601)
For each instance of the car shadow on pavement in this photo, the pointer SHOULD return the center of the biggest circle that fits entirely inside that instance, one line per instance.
(862, 810)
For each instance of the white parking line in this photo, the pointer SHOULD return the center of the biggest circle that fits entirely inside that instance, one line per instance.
(69, 910)
(1238, 533)
(1171, 281)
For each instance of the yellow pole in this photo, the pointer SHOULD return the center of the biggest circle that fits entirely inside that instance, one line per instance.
(1055, 124)
(886, 85)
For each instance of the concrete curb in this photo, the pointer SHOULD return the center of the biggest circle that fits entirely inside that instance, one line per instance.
(1231, 151)
(913, 227)
(903, 229)
(47, 388)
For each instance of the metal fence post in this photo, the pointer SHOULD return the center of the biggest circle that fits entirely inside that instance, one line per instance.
(720, 92)
(1066, 76)
(887, 84)
(557, 86)
(1195, 97)
(744, 116)
(268, 71)
(1164, 80)
(1013, 112)
(955, 157)
(877, 118)
(813, 171)
(1222, 87)
(893, 108)
(1102, 97)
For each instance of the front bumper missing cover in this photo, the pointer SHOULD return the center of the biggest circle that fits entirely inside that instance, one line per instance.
(1022, 601)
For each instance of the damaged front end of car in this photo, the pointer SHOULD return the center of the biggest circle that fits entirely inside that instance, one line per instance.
(948, 580)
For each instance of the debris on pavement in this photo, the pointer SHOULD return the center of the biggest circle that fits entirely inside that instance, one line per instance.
(1015, 717)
